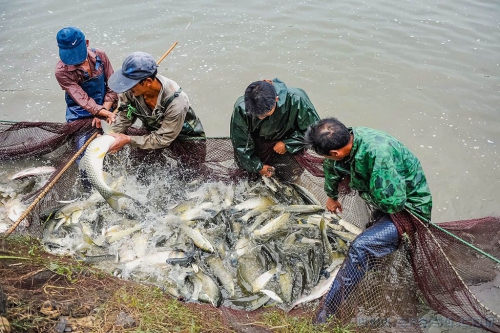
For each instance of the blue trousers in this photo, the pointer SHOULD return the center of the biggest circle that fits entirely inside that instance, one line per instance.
(379, 240)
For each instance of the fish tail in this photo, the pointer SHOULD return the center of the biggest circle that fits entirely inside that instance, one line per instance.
(113, 199)
(106, 128)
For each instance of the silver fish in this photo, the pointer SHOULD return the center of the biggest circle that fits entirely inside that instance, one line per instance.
(222, 274)
(350, 227)
(274, 226)
(254, 203)
(35, 171)
(305, 194)
(261, 281)
(272, 295)
(318, 291)
(210, 292)
(198, 239)
(298, 208)
(92, 163)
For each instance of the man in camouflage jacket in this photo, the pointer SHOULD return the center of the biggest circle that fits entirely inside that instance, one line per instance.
(386, 175)
(269, 111)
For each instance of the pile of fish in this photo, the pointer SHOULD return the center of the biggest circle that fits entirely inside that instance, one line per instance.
(244, 245)
(12, 190)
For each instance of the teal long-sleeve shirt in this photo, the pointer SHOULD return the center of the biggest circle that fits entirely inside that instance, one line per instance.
(385, 173)
(289, 122)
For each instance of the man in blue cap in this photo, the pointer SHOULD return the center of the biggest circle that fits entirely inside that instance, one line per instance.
(159, 103)
(83, 73)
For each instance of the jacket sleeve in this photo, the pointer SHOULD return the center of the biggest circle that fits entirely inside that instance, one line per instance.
(122, 122)
(332, 179)
(241, 138)
(306, 115)
(387, 186)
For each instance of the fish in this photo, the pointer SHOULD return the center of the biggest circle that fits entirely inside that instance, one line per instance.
(114, 235)
(92, 163)
(35, 171)
(210, 291)
(305, 194)
(15, 208)
(270, 184)
(181, 258)
(250, 303)
(99, 258)
(198, 239)
(298, 208)
(254, 203)
(286, 283)
(318, 291)
(272, 295)
(13, 189)
(350, 227)
(347, 236)
(229, 197)
(68, 220)
(254, 212)
(327, 247)
(259, 220)
(261, 281)
(221, 274)
(272, 227)
(203, 211)
(158, 258)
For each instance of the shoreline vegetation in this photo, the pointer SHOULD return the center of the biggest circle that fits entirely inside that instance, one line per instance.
(47, 293)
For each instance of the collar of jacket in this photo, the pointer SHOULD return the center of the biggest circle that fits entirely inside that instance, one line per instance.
(281, 91)
(355, 146)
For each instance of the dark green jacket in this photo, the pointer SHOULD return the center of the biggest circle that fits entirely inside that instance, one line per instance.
(385, 173)
(289, 122)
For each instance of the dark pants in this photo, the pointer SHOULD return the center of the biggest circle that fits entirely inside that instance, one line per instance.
(377, 241)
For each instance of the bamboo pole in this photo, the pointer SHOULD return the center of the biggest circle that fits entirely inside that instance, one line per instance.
(63, 170)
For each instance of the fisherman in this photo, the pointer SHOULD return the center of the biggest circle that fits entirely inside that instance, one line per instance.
(83, 73)
(159, 103)
(269, 112)
(386, 175)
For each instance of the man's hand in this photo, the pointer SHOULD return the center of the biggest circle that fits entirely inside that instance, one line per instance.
(103, 113)
(280, 148)
(333, 205)
(267, 171)
(120, 141)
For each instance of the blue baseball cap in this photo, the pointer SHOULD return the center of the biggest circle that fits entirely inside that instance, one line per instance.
(137, 66)
(72, 46)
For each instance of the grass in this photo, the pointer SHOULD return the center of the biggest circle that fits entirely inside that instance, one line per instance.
(283, 323)
(84, 294)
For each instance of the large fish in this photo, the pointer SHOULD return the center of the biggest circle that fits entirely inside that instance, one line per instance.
(35, 171)
(92, 163)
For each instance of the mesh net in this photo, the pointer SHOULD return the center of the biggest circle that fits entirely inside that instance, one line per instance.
(430, 274)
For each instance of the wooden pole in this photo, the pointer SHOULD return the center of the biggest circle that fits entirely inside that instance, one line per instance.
(63, 170)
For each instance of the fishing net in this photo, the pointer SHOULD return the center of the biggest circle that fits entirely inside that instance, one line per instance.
(432, 280)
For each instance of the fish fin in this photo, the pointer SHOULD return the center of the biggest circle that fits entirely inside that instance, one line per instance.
(60, 223)
(108, 178)
(113, 200)
(106, 128)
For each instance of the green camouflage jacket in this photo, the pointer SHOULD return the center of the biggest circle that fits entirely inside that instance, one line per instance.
(171, 117)
(385, 173)
(289, 122)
